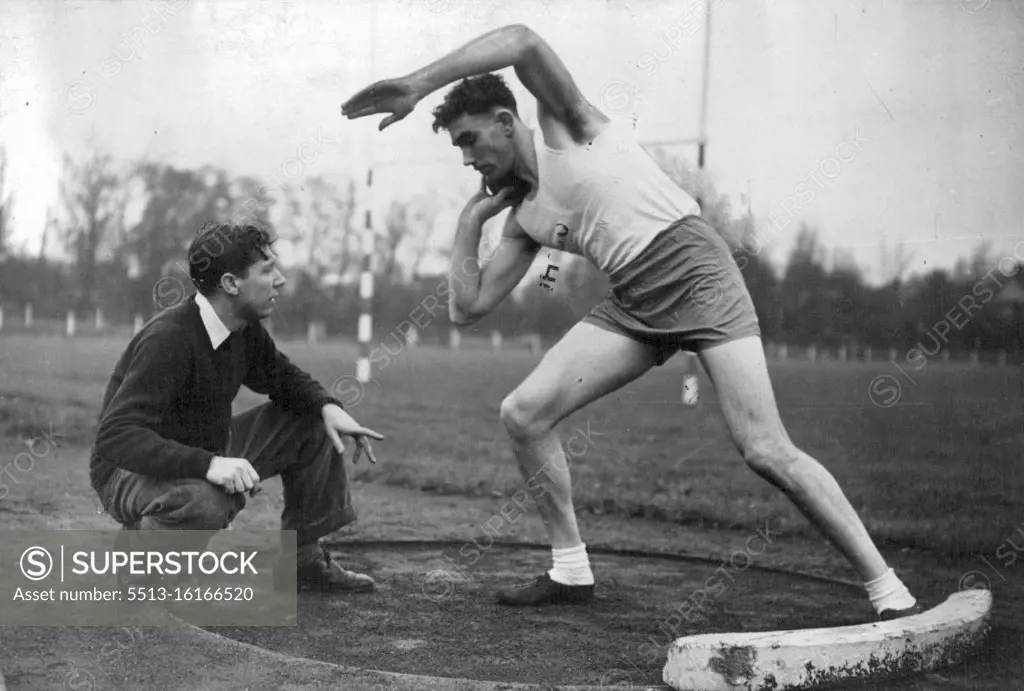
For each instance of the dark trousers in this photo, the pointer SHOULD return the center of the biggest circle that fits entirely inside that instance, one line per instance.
(317, 497)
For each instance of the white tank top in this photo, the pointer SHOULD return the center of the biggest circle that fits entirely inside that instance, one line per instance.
(604, 201)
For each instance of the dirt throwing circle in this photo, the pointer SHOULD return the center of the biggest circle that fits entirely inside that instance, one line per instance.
(434, 614)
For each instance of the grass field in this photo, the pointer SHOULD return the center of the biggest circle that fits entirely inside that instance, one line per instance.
(939, 470)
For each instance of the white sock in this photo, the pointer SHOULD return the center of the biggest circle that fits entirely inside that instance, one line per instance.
(572, 567)
(888, 592)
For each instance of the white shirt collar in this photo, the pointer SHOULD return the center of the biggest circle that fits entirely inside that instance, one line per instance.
(215, 328)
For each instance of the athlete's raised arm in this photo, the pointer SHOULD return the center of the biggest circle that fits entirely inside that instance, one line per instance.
(536, 65)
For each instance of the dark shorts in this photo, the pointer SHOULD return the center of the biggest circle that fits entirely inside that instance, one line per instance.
(684, 292)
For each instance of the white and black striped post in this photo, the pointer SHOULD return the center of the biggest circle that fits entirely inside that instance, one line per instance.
(363, 373)
(690, 394)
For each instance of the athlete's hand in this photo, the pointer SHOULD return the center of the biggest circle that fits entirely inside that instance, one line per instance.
(395, 96)
(234, 475)
(483, 205)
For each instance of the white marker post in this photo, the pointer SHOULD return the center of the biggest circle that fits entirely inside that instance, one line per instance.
(690, 395)
(363, 373)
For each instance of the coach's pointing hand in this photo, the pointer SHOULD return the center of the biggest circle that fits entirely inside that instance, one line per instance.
(234, 475)
(339, 424)
(395, 96)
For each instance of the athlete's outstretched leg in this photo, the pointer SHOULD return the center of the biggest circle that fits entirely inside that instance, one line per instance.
(588, 363)
(740, 376)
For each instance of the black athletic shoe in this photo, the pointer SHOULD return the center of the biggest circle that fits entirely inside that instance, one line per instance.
(890, 614)
(545, 591)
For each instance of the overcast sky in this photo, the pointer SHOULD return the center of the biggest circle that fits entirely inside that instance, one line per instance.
(903, 118)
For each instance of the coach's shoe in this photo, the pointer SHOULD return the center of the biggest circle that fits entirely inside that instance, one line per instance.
(545, 591)
(123, 541)
(890, 614)
(325, 575)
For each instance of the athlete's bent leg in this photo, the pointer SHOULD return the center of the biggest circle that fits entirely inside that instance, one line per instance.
(586, 364)
(739, 373)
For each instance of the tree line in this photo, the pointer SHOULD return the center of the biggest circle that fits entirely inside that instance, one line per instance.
(120, 235)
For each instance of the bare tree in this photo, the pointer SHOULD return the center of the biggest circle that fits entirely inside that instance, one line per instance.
(981, 259)
(93, 199)
(318, 223)
(895, 261)
(396, 229)
(175, 203)
(6, 204)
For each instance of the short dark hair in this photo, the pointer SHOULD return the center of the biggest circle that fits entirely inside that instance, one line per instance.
(222, 248)
(472, 96)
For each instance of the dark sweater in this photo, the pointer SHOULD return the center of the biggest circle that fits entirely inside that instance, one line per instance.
(167, 410)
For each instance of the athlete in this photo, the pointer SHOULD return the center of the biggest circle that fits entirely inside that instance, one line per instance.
(581, 183)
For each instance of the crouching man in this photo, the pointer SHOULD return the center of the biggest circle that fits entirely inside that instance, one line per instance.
(169, 454)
